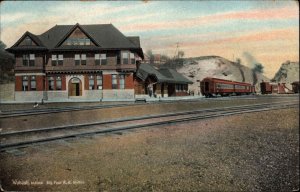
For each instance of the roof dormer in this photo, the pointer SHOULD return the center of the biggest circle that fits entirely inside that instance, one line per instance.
(77, 37)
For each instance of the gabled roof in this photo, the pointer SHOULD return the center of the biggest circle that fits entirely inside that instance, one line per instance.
(33, 37)
(161, 75)
(54, 35)
(105, 36)
(135, 40)
(172, 73)
(73, 29)
(146, 70)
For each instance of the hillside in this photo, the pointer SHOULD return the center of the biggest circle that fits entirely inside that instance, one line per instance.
(287, 73)
(218, 67)
(6, 65)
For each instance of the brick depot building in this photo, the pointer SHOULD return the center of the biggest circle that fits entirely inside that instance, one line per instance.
(88, 62)
(76, 62)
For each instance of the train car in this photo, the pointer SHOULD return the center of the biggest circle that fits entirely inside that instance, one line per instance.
(212, 87)
(269, 88)
(265, 88)
(295, 87)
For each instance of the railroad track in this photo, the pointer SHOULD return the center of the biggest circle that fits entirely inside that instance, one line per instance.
(23, 138)
(18, 113)
(28, 112)
(37, 111)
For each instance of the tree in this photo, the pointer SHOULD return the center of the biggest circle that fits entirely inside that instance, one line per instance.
(6, 63)
(2, 46)
(149, 52)
(238, 61)
(165, 57)
(258, 67)
(151, 56)
(180, 54)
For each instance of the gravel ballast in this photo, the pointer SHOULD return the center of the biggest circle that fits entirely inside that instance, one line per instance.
(249, 152)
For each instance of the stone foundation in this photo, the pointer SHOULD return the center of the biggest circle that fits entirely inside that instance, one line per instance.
(34, 96)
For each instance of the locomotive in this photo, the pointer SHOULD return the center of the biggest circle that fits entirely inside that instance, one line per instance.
(212, 86)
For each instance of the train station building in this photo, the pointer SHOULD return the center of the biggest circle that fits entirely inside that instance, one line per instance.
(87, 62)
(164, 82)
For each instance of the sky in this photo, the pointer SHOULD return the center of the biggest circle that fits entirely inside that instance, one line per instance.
(267, 30)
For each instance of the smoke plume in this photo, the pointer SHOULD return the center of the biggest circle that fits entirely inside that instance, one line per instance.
(249, 59)
(255, 66)
(239, 65)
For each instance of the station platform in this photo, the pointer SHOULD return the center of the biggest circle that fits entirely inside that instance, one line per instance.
(146, 99)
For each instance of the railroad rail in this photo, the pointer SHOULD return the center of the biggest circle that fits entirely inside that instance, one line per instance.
(39, 111)
(28, 112)
(23, 138)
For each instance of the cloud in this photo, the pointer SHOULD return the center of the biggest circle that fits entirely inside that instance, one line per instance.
(255, 14)
(13, 17)
(222, 39)
(198, 35)
(10, 35)
(134, 18)
(91, 12)
(290, 34)
(266, 14)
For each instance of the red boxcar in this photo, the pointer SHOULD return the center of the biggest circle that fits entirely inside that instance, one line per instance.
(212, 86)
(265, 88)
(268, 88)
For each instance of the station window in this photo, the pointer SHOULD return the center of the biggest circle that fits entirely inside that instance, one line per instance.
(80, 59)
(103, 59)
(32, 83)
(28, 41)
(25, 59)
(91, 82)
(125, 57)
(100, 59)
(81, 41)
(97, 59)
(99, 82)
(60, 59)
(75, 42)
(68, 42)
(77, 59)
(78, 41)
(122, 81)
(87, 41)
(83, 59)
(114, 82)
(31, 59)
(128, 58)
(50, 83)
(28, 60)
(57, 60)
(132, 58)
(58, 83)
(25, 83)
(54, 60)
(54, 83)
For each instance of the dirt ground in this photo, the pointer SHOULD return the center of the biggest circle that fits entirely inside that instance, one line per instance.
(249, 152)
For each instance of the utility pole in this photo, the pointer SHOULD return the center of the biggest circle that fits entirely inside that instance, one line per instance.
(176, 54)
(177, 50)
